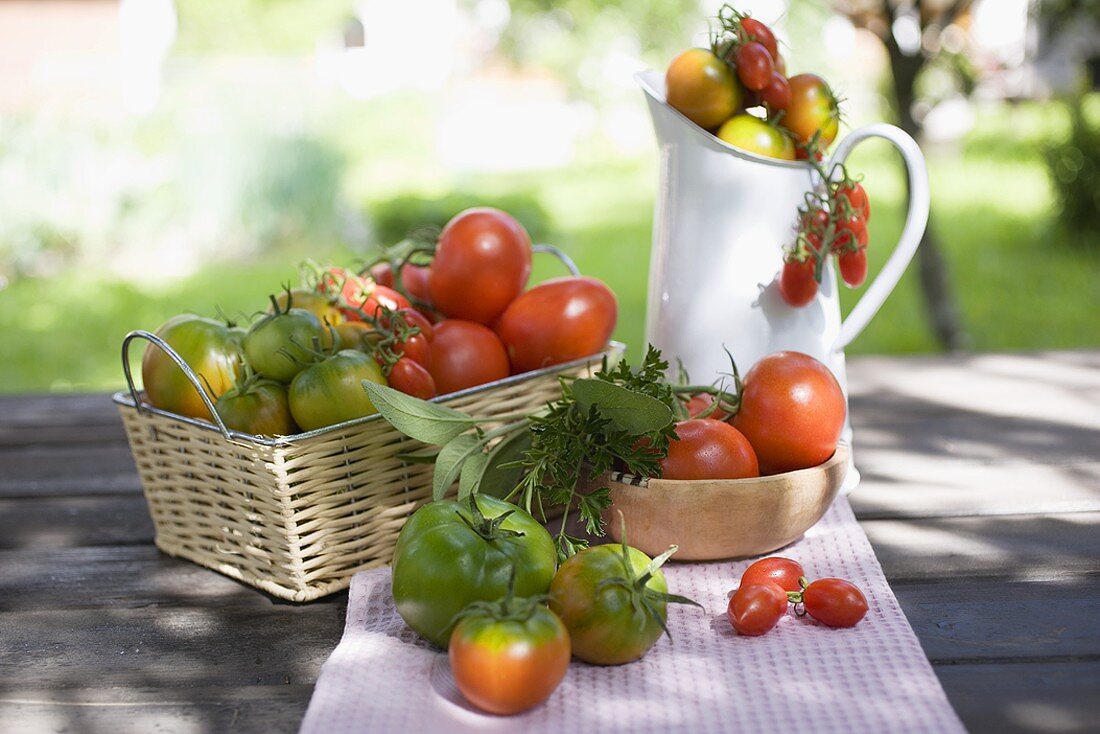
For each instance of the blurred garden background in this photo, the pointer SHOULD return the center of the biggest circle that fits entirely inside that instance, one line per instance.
(161, 156)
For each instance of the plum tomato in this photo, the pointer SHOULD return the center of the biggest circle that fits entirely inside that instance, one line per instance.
(856, 196)
(382, 274)
(754, 65)
(708, 449)
(792, 411)
(466, 354)
(510, 656)
(557, 321)
(797, 285)
(482, 262)
(835, 602)
(258, 407)
(756, 608)
(210, 348)
(702, 87)
(851, 231)
(776, 94)
(754, 30)
(756, 136)
(853, 266)
(813, 108)
(331, 391)
(411, 378)
(778, 570)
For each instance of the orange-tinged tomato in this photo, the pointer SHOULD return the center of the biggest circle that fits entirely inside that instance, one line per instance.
(702, 87)
(756, 136)
(813, 107)
(210, 348)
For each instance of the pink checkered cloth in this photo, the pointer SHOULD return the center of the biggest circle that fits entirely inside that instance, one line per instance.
(801, 676)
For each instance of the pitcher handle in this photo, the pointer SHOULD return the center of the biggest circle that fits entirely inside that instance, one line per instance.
(911, 234)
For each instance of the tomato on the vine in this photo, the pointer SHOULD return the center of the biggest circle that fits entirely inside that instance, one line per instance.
(754, 65)
(367, 300)
(702, 87)
(415, 280)
(557, 321)
(754, 30)
(778, 570)
(382, 274)
(851, 231)
(835, 602)
(210, 348)
(466, 354)
(411, 378)
(508, 656)
(757, 136)
(776, 94)
(482, 262)
(814, 109)
(708, 449)
(414, 347)
(756, 608)
(792, 411)
(854, 194)
(797, 283)
(853, 266)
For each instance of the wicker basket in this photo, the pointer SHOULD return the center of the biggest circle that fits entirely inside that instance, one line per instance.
(296, 516)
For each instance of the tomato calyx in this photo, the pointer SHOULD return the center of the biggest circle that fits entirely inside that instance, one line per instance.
(488, 528)
(508, 608)
(795, 597)
(392, 330)
(726, 401)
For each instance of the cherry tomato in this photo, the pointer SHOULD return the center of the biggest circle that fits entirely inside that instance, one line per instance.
(857, 199)
(777, 570)
(417, 349)
(258, 407)
(210, 349)
(849, 229)
(482, 262)
(792, 412)
(412, 378)
(708, 449)
(756, 608)
(756, 136)
(558, 321)
(365, 300)
(853, 266)
(796, 282)
(465, 354)
(813, 108)
(757, 31)
(415, 279)
(835, 602)
(507, 665)
(702, 402)
(415, 318)
(382, 274)
(776, 94)
(702, 87)
(754, 65)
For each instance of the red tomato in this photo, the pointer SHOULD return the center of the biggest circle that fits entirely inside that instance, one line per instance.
(853, 267)
(783, 572)
(754, 65)
(382, 274)
(558, 321)
(708, 449)
(702, 402)
(365, 299)
(815, 221)
(415, 318)
(757, 31)
(415, 280)
(856, 198)
(756, 608)
(848, 229)
(412, 379)
(702, 87)
(776, 94)
(780, 64)
(835, 602)
(482, 262)
(417, 349)
(792, 412)
(797, 285)
(465, 354)
(814, 108)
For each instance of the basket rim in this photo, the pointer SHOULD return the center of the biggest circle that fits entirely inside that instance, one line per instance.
(614, 349)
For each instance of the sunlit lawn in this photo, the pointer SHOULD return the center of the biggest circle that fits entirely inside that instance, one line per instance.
(1019, 285)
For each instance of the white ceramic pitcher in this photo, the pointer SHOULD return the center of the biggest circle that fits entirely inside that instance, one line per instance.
(721, 221)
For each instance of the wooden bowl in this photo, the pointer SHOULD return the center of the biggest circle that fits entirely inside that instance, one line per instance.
(713, 519)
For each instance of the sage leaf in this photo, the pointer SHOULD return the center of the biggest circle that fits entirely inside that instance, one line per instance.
(450, 460)
(631, 411)
(473, 469)
(503, 471)
(428, 422)
(423, 456)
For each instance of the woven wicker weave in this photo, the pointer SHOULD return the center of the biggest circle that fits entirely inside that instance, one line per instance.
(297, 516)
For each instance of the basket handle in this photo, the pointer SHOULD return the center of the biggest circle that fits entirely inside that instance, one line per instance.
(560, 255)
(180, 362)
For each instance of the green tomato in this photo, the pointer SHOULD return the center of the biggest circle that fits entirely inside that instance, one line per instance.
(280, 345)
(209, 347)
(603, 619)
(331, 391)
(756, 136)
(450, 554)
(259, 407)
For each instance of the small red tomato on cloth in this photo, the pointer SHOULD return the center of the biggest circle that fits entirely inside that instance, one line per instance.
(756, 608)
(835, 602)
(783, 572)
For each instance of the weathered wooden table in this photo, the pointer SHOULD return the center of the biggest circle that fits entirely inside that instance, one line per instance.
(981, 494)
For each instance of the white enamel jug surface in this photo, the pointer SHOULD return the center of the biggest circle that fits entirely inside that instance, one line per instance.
(721, 221)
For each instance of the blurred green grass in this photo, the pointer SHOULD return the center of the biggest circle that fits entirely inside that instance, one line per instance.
(1020, 285)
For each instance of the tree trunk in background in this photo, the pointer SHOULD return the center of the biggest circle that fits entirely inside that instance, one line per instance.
(939, 296)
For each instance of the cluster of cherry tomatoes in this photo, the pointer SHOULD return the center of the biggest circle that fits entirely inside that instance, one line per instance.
(797, 117)
(787, 414)
(834, 222)
(770, 584)
(462, 320)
